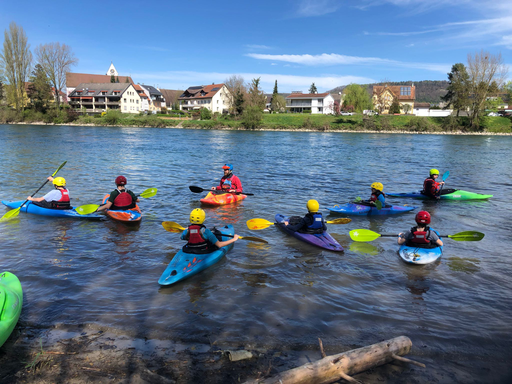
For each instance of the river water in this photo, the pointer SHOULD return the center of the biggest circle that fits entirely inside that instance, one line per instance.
(284, 294)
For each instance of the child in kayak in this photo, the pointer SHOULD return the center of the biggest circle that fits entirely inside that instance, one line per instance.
(431, 187)
(229, 182)
(377, 195)
(313, 222)
(421, 235)
(120, 198)
(199, 238)
(56, 199)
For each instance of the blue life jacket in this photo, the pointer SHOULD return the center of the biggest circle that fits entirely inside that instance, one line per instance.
(317, 221)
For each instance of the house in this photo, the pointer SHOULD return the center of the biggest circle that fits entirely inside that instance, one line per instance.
(171, 97)
(423, 109)
(315, 103)
(99, 97)
(156, 99)
(384, 95)
(28, 90)
(144, 97)
(214, 97)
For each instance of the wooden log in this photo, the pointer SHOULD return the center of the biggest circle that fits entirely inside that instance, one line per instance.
(341, 366)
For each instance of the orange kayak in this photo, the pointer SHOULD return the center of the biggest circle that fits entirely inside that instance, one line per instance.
(216, 198)
(129, 215)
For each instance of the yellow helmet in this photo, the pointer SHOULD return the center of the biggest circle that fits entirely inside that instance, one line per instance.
(59, 182)
(197, 216)
(434, 171)
(378, 186)
(313, 206)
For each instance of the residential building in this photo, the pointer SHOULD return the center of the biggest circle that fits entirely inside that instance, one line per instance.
(156, 99)
(99, 97)
(214, 97)
(144, 97)
(384, 95)
(423, 109)
(171, 97)
(315, 103)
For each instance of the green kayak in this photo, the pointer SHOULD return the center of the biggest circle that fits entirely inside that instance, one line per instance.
(11, 301)
(454, 194)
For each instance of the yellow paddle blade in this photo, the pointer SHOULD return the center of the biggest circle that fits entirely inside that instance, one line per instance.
(86, 209)
(150, 192)
(11, 214)
(343, 220)
(256, 224)
(363, 235)
(171, 226)
(252, 238)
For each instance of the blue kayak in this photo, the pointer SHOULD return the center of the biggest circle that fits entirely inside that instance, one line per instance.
(184, 265)
(323, 240)
(418, 255)
(30, 207)
(356, 209)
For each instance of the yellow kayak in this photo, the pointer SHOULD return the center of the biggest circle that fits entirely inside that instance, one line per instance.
(222, 198)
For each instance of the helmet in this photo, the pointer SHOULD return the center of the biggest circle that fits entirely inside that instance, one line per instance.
(313, 206)
(197, 216)
(120, 180)
(423, 217)
(59, 182)
(228, 166)
(434, 171)
(377, 186)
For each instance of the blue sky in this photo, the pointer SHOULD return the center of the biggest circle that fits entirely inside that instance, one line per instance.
(176, 44)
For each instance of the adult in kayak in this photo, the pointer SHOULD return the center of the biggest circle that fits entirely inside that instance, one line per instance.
(431, 187)
(56, 199)
(229, 182)
(120, 198)
(313, 222)
(421, 235)
(200, 239)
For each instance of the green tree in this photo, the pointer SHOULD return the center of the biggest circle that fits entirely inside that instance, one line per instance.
(313, 89)
(493, 103)
(205, 114)
(112, 79)
(39, 90)
(275, 90)
(255, 96)
(15, 61)
(457, 95)
(239, 102)
(406, 108)
(252, 117)
(358, 97)
(278, 103)
(395, 107)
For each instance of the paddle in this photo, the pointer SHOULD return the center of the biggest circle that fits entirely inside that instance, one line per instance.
(443, 178)
(91, 208)
(13, 213)
(199, 190)
(255, 224)
(367, 235)
(171, 226)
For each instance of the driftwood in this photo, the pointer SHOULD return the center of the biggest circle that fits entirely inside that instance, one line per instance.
(341, 366)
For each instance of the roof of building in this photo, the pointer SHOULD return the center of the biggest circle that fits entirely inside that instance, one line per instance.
(201, 91)
(421, 105)
(96, 89)
(395, 90)
(307, 95)
(152, 90)
(171, 95)
(74, 79)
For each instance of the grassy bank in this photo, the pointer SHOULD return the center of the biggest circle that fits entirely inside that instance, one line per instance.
(386, 123)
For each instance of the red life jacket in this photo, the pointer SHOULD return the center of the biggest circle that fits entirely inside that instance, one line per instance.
(63, 202)
(375, 196)
(420, 237)
(123, 200)
(430, 186)
(195, 237)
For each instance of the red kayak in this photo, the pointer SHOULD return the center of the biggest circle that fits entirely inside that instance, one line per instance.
(222, 198)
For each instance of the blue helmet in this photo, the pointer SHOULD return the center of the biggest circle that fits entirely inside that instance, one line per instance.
(228, 166)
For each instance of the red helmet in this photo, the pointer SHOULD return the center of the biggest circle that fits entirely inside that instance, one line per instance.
(423, 217)
(120, 180)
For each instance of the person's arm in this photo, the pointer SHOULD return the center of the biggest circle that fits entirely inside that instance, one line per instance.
(48, 197)
(382, 199)
(297, 226)
(402, 237)
(221, 244)
(236, 185)
(36, 199)
(104, 206)
(435, 238)
(184, 234)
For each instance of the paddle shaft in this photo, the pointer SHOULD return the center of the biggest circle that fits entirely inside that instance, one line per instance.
(54, 173)
(200, 190)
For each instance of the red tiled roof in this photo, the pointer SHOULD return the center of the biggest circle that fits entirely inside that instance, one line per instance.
(75, 79)
(208, 89)
(309, 95)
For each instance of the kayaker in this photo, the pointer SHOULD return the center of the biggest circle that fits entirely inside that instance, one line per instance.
(229, 182)
(377, 194)
(56, 199)
(421, 235)
(431, 187)
(313, 222)
(199, 238)
(120, 198)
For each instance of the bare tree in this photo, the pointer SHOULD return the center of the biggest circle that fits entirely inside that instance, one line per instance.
(236, 86)
(487, 74)
(15, 61)
(56, 60)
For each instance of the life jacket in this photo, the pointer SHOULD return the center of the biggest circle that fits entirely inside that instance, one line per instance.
(225, 183)
(63, 202)
(420, 238)
(317, 226)
(196, 242)
(123, 201)
(375, 196)
(430, 187)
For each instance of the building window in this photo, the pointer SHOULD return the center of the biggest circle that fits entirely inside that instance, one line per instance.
(125, 100)
(125, 107)
(405, 91)
(137, 103)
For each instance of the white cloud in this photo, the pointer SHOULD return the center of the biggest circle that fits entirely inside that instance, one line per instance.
(256, 46)
(311, 8)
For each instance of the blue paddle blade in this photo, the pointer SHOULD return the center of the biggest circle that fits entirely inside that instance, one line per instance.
(445, 175)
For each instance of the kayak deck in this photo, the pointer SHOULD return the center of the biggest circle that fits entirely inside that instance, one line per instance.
(221, 198)
(418, 255)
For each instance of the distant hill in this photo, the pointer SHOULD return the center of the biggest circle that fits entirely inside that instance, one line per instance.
(427, 91)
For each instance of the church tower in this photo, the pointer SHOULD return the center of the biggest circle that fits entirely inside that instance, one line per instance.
(112, 70)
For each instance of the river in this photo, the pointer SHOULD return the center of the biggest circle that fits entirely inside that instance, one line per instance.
(284, 294)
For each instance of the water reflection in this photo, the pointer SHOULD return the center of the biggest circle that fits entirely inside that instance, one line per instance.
(364, 248)
(466, 265)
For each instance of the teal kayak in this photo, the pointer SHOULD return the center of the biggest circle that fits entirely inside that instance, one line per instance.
(11, 301)
(420, 255)
(30, 207)
(457, 194)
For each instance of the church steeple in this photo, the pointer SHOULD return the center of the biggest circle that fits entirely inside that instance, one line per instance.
(112, 70)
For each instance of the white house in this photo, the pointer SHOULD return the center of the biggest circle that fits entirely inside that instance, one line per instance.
(317, 103)
(214, 97)
(423, 109)
(99, 97)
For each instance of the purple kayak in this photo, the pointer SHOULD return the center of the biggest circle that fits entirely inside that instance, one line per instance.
(323, 240)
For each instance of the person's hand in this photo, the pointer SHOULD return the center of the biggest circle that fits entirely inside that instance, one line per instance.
(213, 188)
(29, 198)
(236, 237)
(442, 183)
(401, 235)
(285, 222)
(232, 190)
(50, 178)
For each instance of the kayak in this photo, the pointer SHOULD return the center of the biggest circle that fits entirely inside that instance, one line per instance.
(11, 301)
(184, 265)
(418, 255)
(366, 210)
(30, 207)
(323, 240)
(130, 215)
(222, 198)
(457, 195)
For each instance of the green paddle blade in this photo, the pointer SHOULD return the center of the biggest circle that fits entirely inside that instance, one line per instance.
(86, 209)
(363, 235)
(150, 192)
(467, 236)
(171, 226)
(378, 205)
(11, 214)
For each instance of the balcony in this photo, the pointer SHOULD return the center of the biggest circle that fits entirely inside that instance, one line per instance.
(298, 104)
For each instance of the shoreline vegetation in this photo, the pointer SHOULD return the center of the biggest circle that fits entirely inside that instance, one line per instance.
(275, 122)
